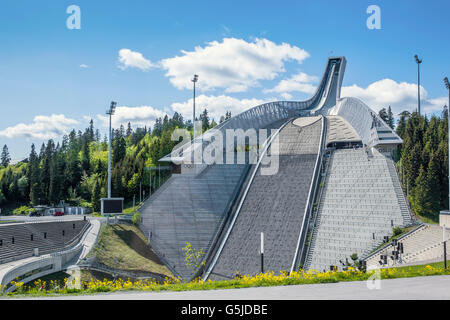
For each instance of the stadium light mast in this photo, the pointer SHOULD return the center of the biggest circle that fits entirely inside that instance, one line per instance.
(110, 112)
(447, 85)
(194, 80)
(418, 61)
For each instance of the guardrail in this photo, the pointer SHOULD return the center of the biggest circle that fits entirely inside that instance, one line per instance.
(299, 252)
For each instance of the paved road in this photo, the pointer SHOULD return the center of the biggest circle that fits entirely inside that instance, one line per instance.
(433, 287)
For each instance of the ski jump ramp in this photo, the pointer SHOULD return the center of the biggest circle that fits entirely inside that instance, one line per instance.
(221, 208)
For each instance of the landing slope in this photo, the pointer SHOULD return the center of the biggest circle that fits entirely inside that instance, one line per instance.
(275, 205)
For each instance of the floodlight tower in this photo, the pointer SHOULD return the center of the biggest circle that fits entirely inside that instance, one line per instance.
(110, 112)
(418, 61)
(194, 80)
(447, 85)
(444, 226)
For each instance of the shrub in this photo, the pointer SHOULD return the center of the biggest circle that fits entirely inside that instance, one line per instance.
(23, 210)
(396, 231)
(136, 218)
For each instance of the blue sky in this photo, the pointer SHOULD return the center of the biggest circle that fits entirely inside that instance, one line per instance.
(245, 52)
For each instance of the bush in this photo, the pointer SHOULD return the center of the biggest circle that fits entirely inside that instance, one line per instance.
(23, 210)
(396, 231)
(136, 218)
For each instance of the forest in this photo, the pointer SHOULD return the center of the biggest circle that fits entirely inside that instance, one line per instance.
(75, 169)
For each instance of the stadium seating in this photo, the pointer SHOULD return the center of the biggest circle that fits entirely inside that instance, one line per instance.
(19, 240)
(424, 243)
(358, 207)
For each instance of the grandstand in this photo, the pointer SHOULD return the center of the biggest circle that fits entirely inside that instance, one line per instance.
(335, 193)
(23, 240)
(423, 243)
(357, 209)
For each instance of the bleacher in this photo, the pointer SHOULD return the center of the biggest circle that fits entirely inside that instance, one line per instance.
(275, 204)
(358, 208)
(424, 243)
(19, 240)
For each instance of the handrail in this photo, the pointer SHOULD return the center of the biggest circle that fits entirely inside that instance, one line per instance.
(319, 198)
(267, 143)
(387, 245)
(312, 190)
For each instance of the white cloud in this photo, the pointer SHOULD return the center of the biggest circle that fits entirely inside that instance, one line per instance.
(137, 116)
(128, 58)
(84, 66)
(42, 127)
(233, 64)
(217, 106)
(286, 96)
(300, 82)
(399, 95)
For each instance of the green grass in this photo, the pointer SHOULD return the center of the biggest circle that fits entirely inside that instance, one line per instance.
(8, 221)
(124, 247)
(430, 220)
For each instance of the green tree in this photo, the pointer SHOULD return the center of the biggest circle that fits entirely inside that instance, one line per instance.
(96, 196)
(383, 115)
(390, 118)
(193, 258)
(5, 157)
(204, 118)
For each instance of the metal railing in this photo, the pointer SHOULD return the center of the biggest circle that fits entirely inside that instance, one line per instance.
(299, 252)
(387, 245)
(319, 198)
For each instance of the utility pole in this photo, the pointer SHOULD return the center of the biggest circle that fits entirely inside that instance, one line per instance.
(110, 112)
(418, 61)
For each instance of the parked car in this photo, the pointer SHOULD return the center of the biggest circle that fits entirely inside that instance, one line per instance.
(58, 214)
(34, 214)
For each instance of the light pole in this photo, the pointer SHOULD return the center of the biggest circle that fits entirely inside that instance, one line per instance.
(194, 80)
(447, 85)
(110, 112)
(418, 61)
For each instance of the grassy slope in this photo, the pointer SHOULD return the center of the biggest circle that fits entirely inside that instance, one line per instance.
(124, 247)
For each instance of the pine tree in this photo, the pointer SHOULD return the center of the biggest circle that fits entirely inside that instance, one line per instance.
(96, 195)
(5, 157)
(383, 115)
(390, 118)
(204, 118)
(129, 130)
